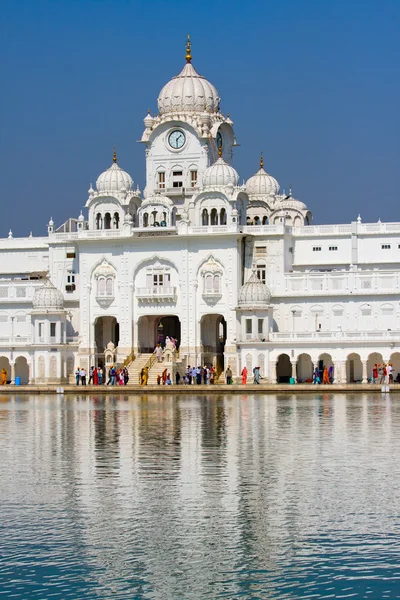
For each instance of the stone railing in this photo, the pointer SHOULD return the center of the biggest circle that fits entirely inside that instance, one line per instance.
(336, 283)
(160, 292)
(321, 336)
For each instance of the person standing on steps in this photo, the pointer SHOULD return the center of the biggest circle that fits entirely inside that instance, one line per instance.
(244, 375)
(228, 375)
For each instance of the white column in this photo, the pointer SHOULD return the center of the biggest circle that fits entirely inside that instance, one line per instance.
(364, 372)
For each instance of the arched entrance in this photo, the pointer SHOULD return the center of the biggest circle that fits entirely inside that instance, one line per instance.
(22, 369)
(283, 369)
(304, 368)
(395, 360)
(373, 359)
(325, 360)
(213, 338)
(5, 364)
(106, 331)
(154, 329)
(353, 368)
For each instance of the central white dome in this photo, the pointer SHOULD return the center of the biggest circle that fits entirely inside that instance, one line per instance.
(220, 174)
(114, 179)
(188, 92)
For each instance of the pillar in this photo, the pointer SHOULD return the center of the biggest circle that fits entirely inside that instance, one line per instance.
(272, 370)
(364, 372)
(294, 363)
(12, 365)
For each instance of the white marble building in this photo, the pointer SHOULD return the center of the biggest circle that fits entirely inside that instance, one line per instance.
(236, 273)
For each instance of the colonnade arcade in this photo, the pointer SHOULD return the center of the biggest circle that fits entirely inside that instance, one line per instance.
(18, 368)
(353, 368)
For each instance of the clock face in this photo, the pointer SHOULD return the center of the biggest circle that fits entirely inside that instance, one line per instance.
(176, 139)
(219, 141)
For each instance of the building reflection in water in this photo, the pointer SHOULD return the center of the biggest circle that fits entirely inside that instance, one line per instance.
(192, 497)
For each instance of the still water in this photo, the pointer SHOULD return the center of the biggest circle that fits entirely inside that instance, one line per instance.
(203, 497)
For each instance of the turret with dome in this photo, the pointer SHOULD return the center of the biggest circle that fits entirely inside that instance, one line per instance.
(113, 199)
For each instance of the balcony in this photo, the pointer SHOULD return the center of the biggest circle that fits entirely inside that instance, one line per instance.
(336, 336)
(160, 293)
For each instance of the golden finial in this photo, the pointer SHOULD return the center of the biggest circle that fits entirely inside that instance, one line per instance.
(148, 111)
(115, 155)
(220, 152)
(261, 161)
(188, 50)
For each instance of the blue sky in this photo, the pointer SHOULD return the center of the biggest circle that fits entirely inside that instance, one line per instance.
(314, 84)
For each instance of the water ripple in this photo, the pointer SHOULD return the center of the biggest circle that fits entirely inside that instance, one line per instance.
(200, 498)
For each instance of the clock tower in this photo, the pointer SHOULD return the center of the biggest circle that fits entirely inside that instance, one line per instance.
(186, 136)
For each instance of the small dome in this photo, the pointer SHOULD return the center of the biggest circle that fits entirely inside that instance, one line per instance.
(262, 184)
(48, 297)
(254, 293)
(157, 199)
(114, 179)
(220, 174)
(290, 203)
(148, 120)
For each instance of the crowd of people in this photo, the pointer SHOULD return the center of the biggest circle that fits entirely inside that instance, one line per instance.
(99, 376)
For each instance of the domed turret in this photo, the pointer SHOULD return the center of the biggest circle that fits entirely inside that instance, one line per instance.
(262, 184)
(114, 179)
(254, 293)
(220, 174)
(48, 298)
(188, 91)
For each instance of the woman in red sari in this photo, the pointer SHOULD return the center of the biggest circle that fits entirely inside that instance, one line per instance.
(244, 375)
(95, 377)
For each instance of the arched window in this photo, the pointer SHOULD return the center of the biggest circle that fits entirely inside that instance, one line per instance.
(107, 221)
(99, 221)
(265, 220)
(204, 217)
(101, 286)
(222, 217)
(208, 284)
(145, 220)
(109, 286)
(214, 217)
(217, 284)
(257, 221)
(116, 220)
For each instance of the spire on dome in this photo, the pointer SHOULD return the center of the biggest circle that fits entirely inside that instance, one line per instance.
(261, 161)
(188, 50)
(220, 152)
(115, 155)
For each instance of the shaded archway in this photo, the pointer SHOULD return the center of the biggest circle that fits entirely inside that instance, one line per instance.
(5, 364)
(353, 368)
(213, 338)
(154, 329)
(325, 360)
(395, 360)
(22, 369)
(106, 331)
(304, 368)
(283, 369)
(373, 358)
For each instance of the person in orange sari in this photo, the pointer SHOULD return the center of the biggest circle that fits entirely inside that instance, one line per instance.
(325, 377)
(244, 376)
(3, 377)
